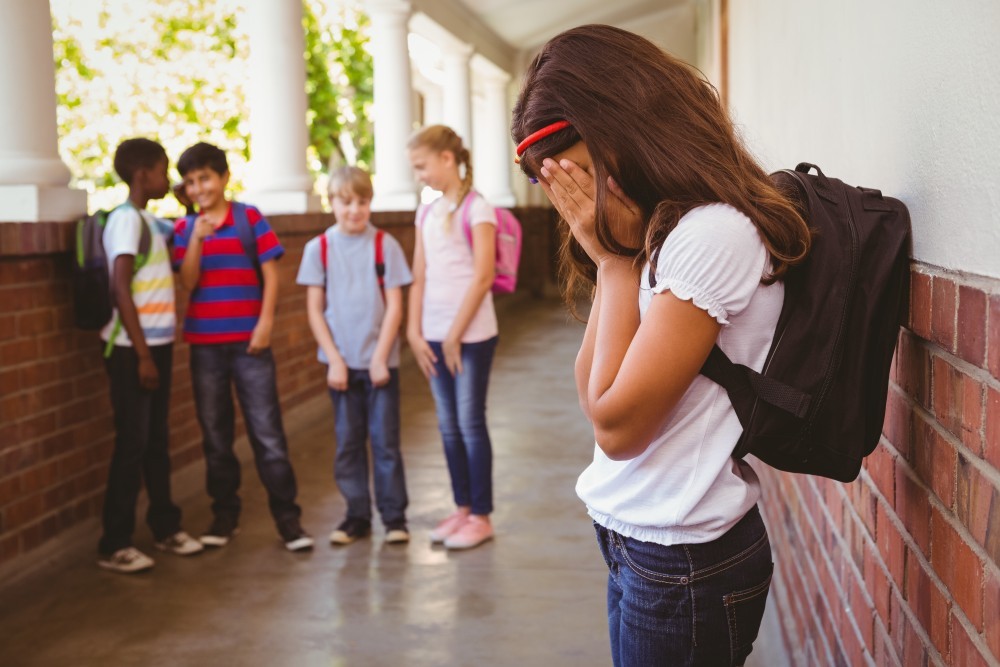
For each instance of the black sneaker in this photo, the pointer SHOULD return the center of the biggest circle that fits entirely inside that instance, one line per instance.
(294, 537)
(350, 530)
(396, 533)
(220, 532)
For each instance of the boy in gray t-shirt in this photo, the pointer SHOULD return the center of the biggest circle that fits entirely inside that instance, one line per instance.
(354, 275)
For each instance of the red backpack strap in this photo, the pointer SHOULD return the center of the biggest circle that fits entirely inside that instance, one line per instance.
(323, 246)
(380, 261)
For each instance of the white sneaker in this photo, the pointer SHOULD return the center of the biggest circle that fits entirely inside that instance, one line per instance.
(180, 543)
(126, 561)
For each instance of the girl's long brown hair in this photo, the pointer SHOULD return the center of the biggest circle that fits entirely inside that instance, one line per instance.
(657, 127)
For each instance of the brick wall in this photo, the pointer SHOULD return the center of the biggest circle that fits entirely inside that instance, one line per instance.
(902, 567)
(56, 432)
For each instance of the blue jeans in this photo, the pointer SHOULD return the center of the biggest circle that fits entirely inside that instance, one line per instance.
(364, 411)
(461, 413)
(214, 371)
(687, 604)
(141, 450)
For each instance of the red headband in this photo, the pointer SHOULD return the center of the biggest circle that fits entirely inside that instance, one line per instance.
(540, 134)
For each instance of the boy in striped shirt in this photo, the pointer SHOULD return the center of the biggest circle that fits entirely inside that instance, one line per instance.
(226, 256)
(138, 355)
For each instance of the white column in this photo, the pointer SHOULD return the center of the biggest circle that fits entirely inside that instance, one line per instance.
(33, 178)
(458, 90)
(279, 179)
(495, 151)
(392, 107)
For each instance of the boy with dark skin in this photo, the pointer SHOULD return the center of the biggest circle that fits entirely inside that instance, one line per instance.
(138, 357)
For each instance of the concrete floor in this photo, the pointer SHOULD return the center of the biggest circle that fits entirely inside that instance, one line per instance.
(533, 596)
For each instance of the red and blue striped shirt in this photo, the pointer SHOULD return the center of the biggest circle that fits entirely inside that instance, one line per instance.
(225, 305)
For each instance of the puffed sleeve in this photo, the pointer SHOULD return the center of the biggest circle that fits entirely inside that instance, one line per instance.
(714, 258)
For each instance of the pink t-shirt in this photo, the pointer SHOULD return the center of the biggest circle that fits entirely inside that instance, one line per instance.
(450, 270)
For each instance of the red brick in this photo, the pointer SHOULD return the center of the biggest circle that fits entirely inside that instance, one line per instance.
(920, 304)
(993, 337)
(913, 508)
(915, 651)
(15, 299)
(991, 620)
(8, 327)
(877, 583)
(898, 422)
(10, 489)
(972, 325)
(934, 460)
(943, 309)
(22, 512)
(35, 322)
(915, 370)
(958, 403)
(928, 603)
(964, 652)
(890, 545)
(958, 566)
(991, 447)
(20, 351)
(880, 464)
(978, 508)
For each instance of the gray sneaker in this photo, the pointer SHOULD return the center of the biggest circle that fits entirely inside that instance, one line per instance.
(219, 533)
(180, 543)
(126, 561)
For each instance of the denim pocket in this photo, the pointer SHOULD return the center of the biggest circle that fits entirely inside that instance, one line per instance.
(744, 611)
(654, 562)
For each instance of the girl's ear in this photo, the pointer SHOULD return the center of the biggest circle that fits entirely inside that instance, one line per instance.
(449, 158)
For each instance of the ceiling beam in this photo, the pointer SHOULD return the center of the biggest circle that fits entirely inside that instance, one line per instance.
(455, 17)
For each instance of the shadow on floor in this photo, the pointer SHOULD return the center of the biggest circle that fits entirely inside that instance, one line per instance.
(533, 596)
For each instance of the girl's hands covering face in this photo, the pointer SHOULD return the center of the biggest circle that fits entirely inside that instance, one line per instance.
(567, 182)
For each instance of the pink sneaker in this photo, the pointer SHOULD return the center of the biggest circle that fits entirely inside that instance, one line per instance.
(448, 526)
(473, 532)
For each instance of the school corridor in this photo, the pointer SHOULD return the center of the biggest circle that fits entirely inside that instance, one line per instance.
(533, 596)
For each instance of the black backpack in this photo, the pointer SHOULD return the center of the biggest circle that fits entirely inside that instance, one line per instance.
(819, 403)
(93, 301)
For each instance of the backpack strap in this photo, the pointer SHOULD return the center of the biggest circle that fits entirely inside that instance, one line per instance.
(324, 246)
(247, 238)
(380, 261)
(466, 215)
(141, 257)
(324, 249)
(744, 385)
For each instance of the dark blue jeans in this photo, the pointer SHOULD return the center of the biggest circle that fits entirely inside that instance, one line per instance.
(141, 450)
(215, 369)
(687, 604)
(361, 412)
(461, 413)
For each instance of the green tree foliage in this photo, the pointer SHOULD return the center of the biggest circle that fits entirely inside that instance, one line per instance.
(174, 70)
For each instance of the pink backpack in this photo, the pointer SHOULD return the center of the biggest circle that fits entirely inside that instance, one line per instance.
(508, 242)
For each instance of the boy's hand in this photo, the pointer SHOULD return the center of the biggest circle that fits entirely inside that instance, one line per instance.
(149, 377)
(336, 375)
(260, 339)
(452, 350)
(180, 194)
(203, 227)
(379, 373)
(424, 355)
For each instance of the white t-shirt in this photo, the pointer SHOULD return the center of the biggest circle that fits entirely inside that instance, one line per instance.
(450, 269)
(686, 487)
(152, 285)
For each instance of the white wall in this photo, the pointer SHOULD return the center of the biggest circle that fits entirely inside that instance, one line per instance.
(902, 95)
(673, 30)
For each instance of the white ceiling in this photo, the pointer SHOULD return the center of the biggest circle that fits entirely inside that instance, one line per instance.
(526, 24)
